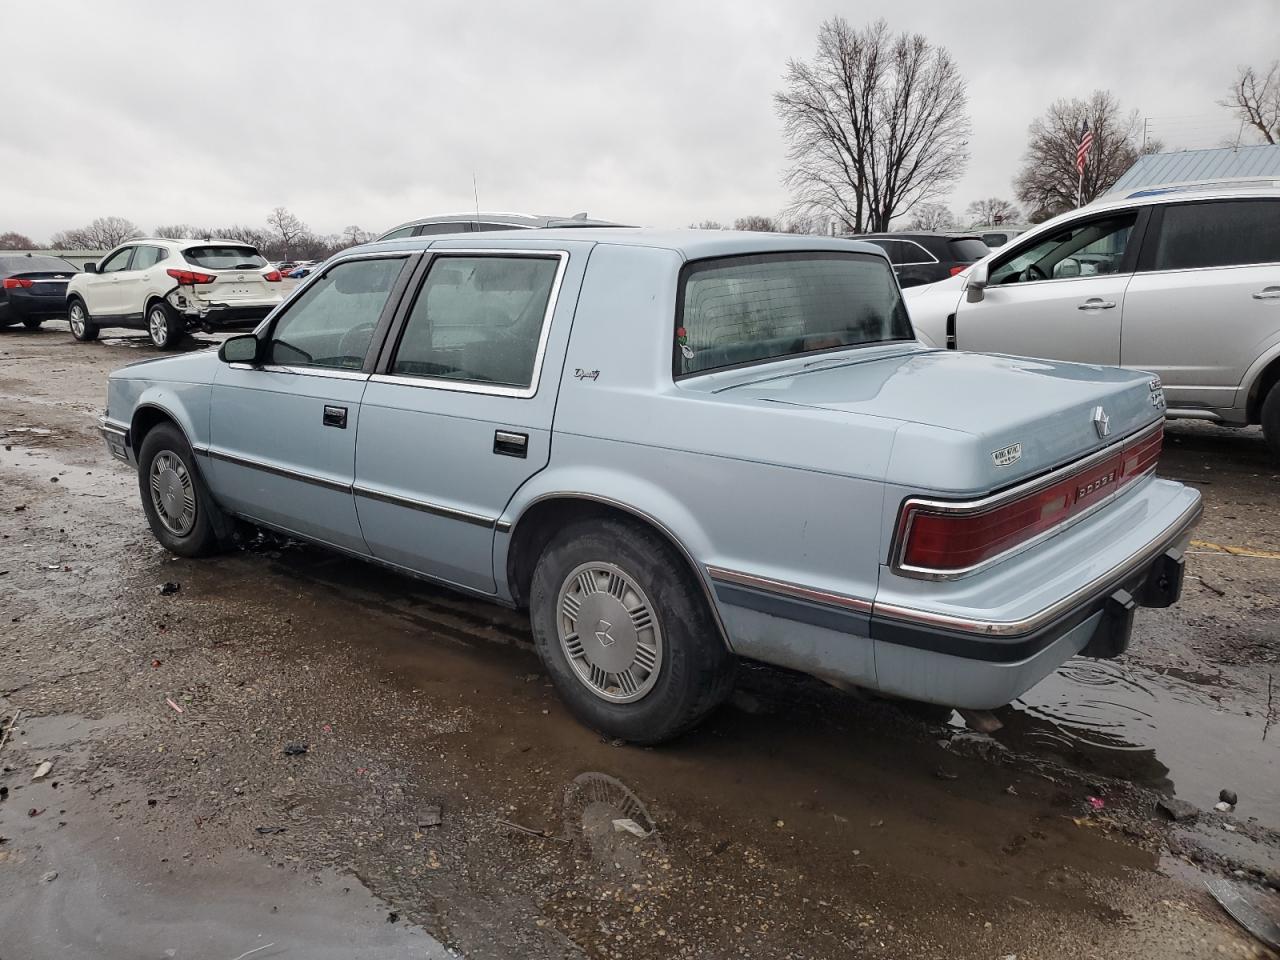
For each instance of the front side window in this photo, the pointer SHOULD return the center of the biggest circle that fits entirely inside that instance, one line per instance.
(117, 261)
(331, 324)
(746, 309)
(1079, 249)
(478, 320)
(222, 257)
(1219, 233)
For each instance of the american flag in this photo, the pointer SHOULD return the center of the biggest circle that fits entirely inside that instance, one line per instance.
(1082, 151)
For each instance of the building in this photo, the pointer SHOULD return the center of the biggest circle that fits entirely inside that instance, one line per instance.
(1191, 166)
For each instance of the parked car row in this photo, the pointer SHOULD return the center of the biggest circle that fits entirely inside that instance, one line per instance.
(33, 289)
(1182, 283)
(927, 257)
(676, 449)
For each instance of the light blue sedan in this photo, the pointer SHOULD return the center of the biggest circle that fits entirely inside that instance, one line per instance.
(677, 449)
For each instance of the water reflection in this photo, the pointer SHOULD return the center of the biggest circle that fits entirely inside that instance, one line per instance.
(609, 824)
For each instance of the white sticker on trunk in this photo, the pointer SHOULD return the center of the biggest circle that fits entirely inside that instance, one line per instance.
(1007, 455)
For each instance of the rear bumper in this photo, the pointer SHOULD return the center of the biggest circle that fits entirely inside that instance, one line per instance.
(21, 307)
(228, 315)
(956, 653)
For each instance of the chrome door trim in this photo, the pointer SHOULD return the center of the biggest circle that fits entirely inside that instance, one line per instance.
(902, 533)
(274, 470)
(786, 588)
(466, 386)
(336, 373)
(1171, 536)
(424, 506)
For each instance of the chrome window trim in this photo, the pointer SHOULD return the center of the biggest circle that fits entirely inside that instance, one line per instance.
(902, 532)
(474, 386)
(335, 373)
(786, 588)
(423, 506)
(1172, 535)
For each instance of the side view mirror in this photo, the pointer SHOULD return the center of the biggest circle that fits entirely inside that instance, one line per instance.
(90, 267)
(241, 349)
(977, 283)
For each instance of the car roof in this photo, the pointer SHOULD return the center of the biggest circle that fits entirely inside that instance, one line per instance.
(915, 235)
(1177, 192)
(690, 244)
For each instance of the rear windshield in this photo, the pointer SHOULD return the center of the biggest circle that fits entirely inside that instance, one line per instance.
(738, 310)
(11, 265)
(968, 250)
(224, 257)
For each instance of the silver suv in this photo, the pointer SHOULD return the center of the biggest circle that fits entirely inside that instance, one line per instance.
(1181, 281)
(484, 222)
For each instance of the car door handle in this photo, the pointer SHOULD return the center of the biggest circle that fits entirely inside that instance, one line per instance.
(335, 417)
(1093, 303)
(1268, 293)
(508, 444)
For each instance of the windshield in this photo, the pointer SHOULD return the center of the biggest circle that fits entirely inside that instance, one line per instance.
(224, 258)
(738, 310)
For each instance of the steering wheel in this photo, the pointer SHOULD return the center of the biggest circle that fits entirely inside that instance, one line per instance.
(1034, 272)
(355, 342)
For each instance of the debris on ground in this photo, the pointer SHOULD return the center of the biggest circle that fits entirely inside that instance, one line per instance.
(1241, 903)
(1228, 796)
(268, 831)
(295, 749)
(42, 771)
(627, 825)
(429, 816)
(169, 587)
(983, 721)
(1223, 807)
(50, 876)
(169, 701)
(1177, 810)
(1096, 802)
(946, 775)
(13, 722)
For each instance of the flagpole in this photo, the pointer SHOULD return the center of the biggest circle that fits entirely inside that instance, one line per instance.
(1080, 190)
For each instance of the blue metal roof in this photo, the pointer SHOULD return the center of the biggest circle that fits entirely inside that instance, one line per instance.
(1185, 166)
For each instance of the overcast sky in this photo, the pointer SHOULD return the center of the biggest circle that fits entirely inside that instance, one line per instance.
(656, 113)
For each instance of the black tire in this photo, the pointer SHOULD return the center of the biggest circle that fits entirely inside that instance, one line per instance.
(1271, 419)
(82, 326)
(33, 323)
(164, 327)
(205, 534)
(695, 671)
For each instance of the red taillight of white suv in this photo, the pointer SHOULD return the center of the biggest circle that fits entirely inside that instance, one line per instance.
(936, 538)
(189, 278)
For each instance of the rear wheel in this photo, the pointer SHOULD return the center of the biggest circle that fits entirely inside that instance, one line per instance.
(82, 327)
(625, 632)
(1271, 420)
(32, 323)
(163, 325)
(181, 513)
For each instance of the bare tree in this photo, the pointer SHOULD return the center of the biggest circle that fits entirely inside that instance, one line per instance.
(353, 236)
(756, 222)
(803, 224)
(103, 234)
(1047, 182)
(707, 225)
(1255, 99)
(991, 211)
(876, 123)
(288, 228)
(16, 241)
(176, 231)
(932, 216)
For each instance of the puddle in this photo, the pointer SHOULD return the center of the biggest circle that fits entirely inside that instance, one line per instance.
(1177, 732)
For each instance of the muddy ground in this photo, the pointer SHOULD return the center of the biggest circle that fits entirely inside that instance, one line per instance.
(253, 765)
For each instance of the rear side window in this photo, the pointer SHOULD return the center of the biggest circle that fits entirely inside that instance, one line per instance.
(739, 310)
(222, 257)
(148, 257)
(1219, 233)
(399, 234)
(432, 229)
(11, 265)
(331, 323)
(994, 240)
(479, 320)
(969, 250)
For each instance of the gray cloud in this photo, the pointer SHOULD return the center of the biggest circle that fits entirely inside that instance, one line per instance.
(655, 113)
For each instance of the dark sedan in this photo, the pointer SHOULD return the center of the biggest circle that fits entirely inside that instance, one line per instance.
(33, 289)
(925, 257)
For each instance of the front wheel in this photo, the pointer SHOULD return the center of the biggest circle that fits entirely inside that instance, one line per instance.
(625, 632)
(82, 327)
(1271, 420)
(163, 325)
(178, 506)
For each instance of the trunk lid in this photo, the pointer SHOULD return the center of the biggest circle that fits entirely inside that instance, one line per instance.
(973, 422)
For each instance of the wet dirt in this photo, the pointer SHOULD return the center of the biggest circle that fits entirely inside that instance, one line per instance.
(799, 822)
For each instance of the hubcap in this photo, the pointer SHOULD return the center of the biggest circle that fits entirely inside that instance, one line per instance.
(77, 320)
(172, 493)
(609, 633)
(158, 325)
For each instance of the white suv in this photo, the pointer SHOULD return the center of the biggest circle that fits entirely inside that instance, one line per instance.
(1183, 281)
(168, 287)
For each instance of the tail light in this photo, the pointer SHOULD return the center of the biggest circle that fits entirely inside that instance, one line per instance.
(942, 539)
(958, 268)
(13, 283)
(189, 278)
(272, 276)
